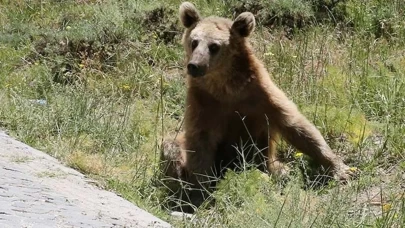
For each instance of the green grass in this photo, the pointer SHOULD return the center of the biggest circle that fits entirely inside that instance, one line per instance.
(111, 73)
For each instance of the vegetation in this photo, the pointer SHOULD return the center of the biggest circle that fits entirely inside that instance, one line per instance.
(97, 84)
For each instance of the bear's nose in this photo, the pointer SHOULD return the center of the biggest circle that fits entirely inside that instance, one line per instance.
(195, 70)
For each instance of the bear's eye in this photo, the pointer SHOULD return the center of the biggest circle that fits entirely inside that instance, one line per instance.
(194, 44)
(214, 48)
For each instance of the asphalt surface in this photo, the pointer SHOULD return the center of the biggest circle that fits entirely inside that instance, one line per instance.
(36, 190)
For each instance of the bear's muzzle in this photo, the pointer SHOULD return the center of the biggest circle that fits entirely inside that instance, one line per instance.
(195, 70)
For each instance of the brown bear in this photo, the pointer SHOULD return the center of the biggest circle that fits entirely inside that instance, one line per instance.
(234, 112)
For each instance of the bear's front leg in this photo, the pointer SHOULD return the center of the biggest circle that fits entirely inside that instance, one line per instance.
(302, 134)
(187, 166)
(199, 159)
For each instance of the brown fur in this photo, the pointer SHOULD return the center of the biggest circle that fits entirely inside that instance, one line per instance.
(232, 100)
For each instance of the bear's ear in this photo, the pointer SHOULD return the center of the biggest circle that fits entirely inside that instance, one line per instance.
(244, 24)
(188, 14)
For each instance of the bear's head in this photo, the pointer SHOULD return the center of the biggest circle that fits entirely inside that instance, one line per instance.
(210, 42)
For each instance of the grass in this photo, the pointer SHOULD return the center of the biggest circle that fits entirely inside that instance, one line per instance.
(97, 84)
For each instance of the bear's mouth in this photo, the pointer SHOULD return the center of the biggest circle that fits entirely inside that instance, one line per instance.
(195, 70)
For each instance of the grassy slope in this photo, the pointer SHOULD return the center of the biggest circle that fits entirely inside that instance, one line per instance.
(111, 74)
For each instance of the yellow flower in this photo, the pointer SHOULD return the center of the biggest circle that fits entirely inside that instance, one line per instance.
(353, 169)
(126, 87)
(386, 207)
(298, 155)
(81, 65)
(68, 27)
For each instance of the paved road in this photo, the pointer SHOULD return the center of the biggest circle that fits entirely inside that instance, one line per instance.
(37, 191)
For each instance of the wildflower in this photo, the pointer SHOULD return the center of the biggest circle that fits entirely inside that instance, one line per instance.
(81, 65)
(268, 53)
(298, 155)
(126, 87)
(353, 169)
(68, 27)
(386, 207)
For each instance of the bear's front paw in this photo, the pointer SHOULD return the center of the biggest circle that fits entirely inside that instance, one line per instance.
(343, 173)
(279, 170)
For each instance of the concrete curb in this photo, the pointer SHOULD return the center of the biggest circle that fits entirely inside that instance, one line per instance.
(36, 190)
